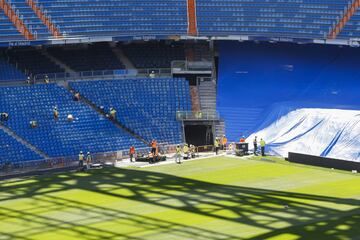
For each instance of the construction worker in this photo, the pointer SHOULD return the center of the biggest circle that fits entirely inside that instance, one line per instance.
(28, 80)
(88, 160)
(152, 74)
(4, 117)
(70, 118)
(81, 159)
(153, 149)
(33, 124)
(223, 142)
(77, 96)
(262, 145)
(216, 145)
(56, 113)
(112, 113)
(132, 153)
(192, 151)
(255, 145)
(178, 154)
(186, 151)
(46, 79)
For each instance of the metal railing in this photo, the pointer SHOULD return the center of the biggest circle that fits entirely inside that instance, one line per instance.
(199, 115)
(102, 74)
(179, 66)
(99, 74)
(108, 158)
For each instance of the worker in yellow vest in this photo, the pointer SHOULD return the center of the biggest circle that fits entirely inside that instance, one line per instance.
(262, 145)
(186, 151)
(81, 159)
(88, 160)
(178, 154)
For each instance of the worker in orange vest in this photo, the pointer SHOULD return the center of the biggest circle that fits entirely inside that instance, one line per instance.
(153, 149)
(132, 153)
(242, 139)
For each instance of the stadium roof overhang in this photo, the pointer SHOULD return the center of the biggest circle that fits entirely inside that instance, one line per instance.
(354, 42)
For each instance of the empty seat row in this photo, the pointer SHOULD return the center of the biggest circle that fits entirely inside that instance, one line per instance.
(146, 106)
(13, 152)
(275, 18)
(88, 132)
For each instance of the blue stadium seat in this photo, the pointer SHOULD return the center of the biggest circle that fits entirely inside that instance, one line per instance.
(8, 72)
(146, 106)
(88, 132)
(7, 30)
(272, 18)
(118, 17)
(352, 27)
(31, 20)
(12, 151)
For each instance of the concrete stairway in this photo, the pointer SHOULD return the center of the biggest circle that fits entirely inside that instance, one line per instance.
(22, 141)
(207, 94)
(220, 129)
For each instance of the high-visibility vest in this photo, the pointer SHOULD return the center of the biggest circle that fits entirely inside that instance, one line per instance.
(178, 150)
(262, 143)
(132, 150)
(186, 149)
(153, 144)
(81, 157)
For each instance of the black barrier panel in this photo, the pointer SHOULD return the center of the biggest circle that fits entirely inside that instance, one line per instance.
(323, 162)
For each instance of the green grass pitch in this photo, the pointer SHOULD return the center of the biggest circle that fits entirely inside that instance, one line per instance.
(209, 199)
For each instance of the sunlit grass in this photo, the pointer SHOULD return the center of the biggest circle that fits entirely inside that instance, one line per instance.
(217, 198)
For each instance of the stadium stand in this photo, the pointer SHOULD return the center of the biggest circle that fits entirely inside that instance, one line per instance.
(352, 27)
(118, 17)
(7, 71)
(302, 19)
(94, 57)
(12, 151)
(154, 55)
(32, 21)
(88, 132)
(32, 61)
(146, 106)
(7, 30)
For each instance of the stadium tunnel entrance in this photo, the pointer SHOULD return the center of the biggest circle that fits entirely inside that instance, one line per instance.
(199, 134)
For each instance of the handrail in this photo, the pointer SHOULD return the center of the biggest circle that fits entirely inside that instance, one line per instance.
(192, 21)
(9, 168)
(349, 12)
(14, 18)
(45, 19)
(197, 116)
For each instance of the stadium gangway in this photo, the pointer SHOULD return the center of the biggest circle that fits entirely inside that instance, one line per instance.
(197, 116)
(191, 67)
(101, 74)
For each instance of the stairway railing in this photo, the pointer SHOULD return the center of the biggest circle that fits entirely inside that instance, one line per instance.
(45, 19)
(349, 12)
(14, 18)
